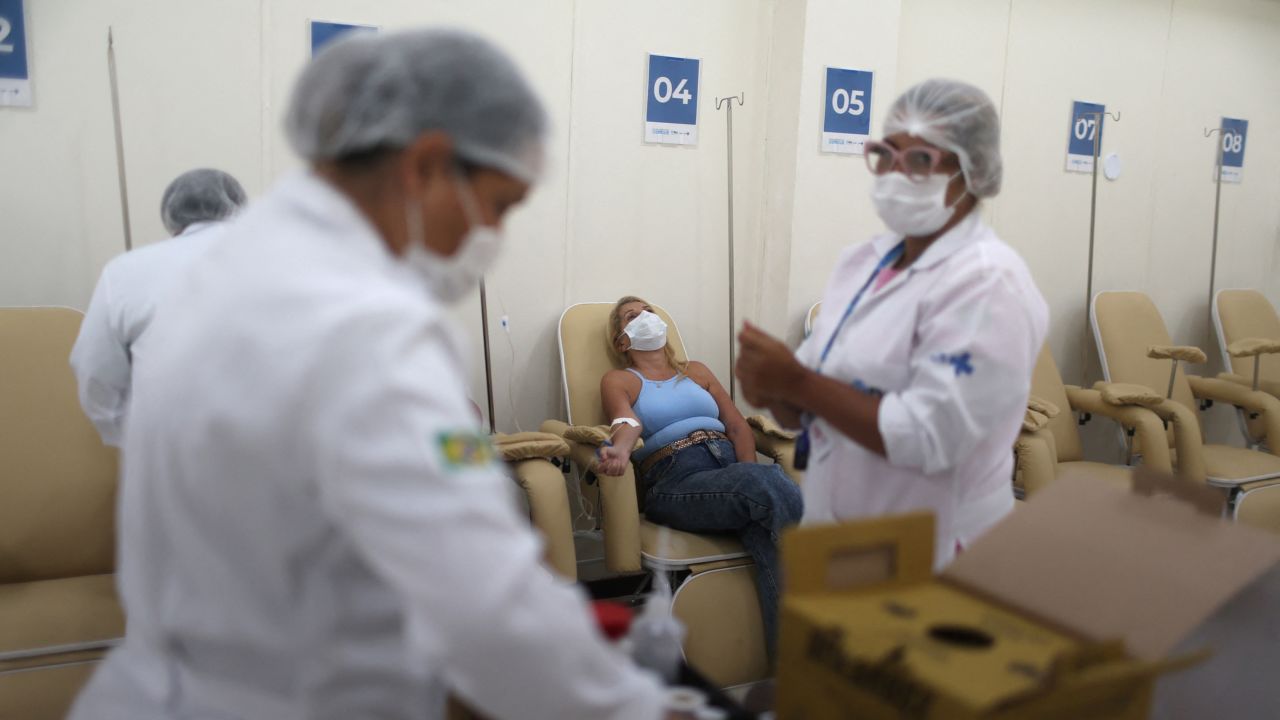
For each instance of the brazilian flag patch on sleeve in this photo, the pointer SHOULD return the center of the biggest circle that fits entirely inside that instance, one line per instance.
(464, 449)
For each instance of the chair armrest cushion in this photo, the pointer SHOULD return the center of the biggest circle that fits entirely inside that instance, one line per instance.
(1185, 353)
(1248, 347)
(1043, 407)
(593, 435)
(1145, 422)
(1230, 392)
(526, 445)
(1033, 421)
(769, 428)
(1128, 394)
(1035, 463)
(1271, 387)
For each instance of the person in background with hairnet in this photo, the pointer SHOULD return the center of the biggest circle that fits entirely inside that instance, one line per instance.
(912, 387)
(313, 526)
(193, 208)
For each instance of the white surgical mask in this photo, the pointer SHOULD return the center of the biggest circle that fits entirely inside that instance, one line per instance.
(647, 332)
(451, 278)
(912, 209)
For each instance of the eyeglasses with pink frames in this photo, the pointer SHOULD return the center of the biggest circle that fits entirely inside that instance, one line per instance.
(917, 163)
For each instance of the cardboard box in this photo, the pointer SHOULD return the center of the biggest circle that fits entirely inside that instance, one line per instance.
(1067, 609)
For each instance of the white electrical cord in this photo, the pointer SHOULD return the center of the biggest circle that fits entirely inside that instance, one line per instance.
(586, 508)
(511, 370)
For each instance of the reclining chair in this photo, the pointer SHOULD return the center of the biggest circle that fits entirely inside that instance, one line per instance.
(58, 607)
(1134, 347)
(1049, 444)
(714, 581)
(1249, 337)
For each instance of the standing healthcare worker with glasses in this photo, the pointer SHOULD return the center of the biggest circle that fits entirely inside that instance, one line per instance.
(912, 387)
(312, 524)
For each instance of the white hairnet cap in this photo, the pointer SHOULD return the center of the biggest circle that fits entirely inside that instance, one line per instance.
(370, 92)
(196, 196)
(958, 117)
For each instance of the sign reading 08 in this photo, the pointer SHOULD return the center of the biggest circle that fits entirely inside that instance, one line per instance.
(671, 106)
(846, 117)
(15, 76)
(1234, 131)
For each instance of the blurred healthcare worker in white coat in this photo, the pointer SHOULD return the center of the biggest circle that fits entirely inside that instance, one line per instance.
(913, 385)
(193, 208)
(312, 524)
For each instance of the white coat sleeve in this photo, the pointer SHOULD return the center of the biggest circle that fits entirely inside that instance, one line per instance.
(101, 362)
(411, 478)
(971, 362)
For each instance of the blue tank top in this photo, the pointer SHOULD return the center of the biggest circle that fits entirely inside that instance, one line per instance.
(671, 409)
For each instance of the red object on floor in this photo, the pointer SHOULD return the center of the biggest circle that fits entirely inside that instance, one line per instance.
(613, 618)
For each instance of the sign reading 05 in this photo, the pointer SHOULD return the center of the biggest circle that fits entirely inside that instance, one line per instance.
(846, 115)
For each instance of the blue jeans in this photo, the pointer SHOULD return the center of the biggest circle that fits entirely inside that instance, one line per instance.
(704, 489)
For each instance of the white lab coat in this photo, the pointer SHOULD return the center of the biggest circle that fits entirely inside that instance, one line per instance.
(951, 343)
(296, 538)
(121, 310)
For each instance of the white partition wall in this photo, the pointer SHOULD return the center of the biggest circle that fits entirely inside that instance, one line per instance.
(207, 84)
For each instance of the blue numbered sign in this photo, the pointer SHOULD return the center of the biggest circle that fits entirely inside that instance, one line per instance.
(671, 110)
(1085, 130)
(846, 114)
(323, 33)
(15, 75)
(1234, 131)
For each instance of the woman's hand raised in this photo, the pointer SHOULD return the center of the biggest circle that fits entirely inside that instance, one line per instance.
(767, 369)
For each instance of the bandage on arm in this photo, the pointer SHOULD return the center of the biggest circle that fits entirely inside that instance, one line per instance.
(617, 404)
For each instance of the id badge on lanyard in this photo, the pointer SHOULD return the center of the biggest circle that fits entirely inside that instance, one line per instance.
(802, 441)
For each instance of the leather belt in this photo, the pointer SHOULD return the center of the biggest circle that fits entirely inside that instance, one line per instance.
(697, 437)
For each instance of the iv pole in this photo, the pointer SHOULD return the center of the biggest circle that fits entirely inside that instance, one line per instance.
(1093, 220)
(1217, 203)
(1093, 197)
(727, 103)
(488, 362)
(119, 129)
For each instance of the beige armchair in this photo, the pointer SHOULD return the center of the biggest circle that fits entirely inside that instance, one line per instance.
(58, 606)
(1049, 444)
(1135, 347)
(1248, 330)
(715, 594)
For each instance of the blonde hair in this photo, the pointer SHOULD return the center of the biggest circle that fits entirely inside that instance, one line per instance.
(621, 359)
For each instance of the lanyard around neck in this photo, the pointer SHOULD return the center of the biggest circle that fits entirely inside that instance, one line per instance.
(889, 259)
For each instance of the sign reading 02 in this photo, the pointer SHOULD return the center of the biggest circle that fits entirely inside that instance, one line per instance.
(15, 75)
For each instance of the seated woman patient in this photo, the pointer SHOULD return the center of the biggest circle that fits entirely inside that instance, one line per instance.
(697, 470)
